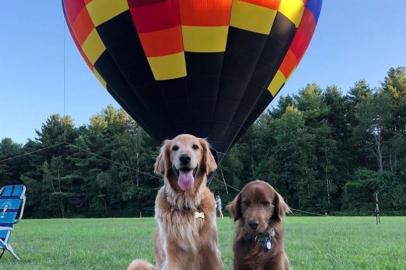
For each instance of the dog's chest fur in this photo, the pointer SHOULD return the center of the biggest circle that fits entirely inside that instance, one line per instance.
(184, 219)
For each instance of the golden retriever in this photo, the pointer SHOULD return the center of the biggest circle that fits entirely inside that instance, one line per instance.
(258, 243)
(186, 238)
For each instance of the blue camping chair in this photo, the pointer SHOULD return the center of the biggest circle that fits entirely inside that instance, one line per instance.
(12, 202)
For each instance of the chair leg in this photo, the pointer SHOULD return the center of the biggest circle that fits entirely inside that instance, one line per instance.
(2, 252)
(11, 250)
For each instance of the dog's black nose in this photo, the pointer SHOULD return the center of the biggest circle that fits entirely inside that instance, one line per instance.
(184, 159)
(253, 224)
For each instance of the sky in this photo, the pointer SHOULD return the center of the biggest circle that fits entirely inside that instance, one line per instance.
(354, 39)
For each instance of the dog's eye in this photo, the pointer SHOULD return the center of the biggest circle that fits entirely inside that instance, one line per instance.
(246, 203)
(264, 203)
(195, 146)
(175, 148)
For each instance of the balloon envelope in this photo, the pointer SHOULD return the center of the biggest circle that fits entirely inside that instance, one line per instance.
(204, 67)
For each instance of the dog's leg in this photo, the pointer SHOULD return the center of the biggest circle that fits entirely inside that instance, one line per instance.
(160, 255)
(278, 264)
(173, 264)
(175, 258)
(212, 259)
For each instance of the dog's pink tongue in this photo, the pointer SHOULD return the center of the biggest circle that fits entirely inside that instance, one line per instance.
(186, 180)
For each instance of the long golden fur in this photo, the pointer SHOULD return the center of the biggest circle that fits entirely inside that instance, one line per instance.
(186, 238)
(258, 243)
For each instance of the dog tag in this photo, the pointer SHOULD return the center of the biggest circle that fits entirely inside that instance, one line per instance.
(268, 244)
(199, 215)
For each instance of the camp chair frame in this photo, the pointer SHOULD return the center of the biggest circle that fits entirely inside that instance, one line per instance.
(4, 244)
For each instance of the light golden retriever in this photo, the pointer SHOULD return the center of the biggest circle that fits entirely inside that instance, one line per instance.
(186, 238)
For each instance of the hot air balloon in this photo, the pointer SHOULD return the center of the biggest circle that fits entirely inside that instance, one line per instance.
(203, 67)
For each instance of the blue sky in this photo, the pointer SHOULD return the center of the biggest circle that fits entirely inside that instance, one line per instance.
(355, 39)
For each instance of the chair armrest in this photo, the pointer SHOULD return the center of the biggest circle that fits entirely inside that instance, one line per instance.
(20, 216)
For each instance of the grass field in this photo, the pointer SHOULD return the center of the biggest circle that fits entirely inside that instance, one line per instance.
(312, 243)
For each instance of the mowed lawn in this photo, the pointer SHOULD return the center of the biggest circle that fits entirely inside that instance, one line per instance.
(312, 243)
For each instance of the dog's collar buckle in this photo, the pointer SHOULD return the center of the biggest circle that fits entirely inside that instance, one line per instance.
(199, 215)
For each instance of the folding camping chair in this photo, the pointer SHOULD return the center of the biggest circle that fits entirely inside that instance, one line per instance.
(12, 202)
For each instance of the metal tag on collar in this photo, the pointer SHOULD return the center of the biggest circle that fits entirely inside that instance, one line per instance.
(268, 244)
(199, 215)
(268, 240)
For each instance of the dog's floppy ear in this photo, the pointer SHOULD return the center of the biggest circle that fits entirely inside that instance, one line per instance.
(281, 208)
(162, 163)
(208, 158)
(235, 207)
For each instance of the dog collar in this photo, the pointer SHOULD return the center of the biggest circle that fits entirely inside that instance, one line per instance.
(265, 240)
(198, 213)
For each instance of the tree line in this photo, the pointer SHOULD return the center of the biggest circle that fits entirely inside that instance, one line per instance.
(323, 150)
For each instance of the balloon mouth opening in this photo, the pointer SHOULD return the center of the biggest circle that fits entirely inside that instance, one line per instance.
(186, 177)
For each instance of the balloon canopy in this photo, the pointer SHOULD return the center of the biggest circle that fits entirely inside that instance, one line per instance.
(204, 67)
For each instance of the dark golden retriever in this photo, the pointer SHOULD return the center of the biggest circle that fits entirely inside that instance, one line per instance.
(186, 238)
(258, 243)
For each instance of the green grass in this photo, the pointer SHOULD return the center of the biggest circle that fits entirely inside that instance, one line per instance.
(312, 243)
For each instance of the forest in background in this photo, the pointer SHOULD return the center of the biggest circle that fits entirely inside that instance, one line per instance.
(324, 150)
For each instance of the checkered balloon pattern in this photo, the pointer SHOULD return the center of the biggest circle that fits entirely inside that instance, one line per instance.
(204, 67)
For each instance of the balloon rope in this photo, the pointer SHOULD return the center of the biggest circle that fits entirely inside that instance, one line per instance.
(115, 162)
(128, 167)
(64, 77)
(293, 209)
(64, 69)
(84, 150)
(31, 153)
(306, 212)
(224, 179)
(225, 183)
